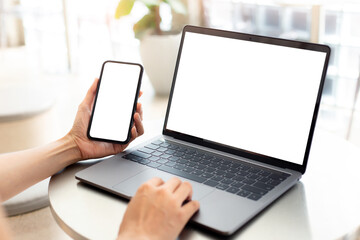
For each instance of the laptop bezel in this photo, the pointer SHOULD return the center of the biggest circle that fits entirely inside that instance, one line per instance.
(242, 152)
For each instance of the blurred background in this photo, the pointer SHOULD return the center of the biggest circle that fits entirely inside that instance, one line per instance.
(45, 44)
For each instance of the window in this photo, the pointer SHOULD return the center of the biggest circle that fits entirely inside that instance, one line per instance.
(333, 24)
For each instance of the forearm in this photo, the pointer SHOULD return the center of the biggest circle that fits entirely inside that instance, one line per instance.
(22, 169)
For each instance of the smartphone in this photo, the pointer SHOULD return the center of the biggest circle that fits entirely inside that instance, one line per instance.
(115, 102)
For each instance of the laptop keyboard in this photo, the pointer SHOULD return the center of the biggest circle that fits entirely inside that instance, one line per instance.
(236, 177)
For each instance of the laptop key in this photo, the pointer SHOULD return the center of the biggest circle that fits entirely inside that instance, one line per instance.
(181, 149)
(162, 161)
(222, 167)
(190, 151)
(217, 160)
(253, 170)
(165, 144)
(249, 181)
(229, 175)
(173, 158)
(222, 186)
(243, 193)
(239, 178)
(144, 161)
(208, 157)
(156, 153)
(188, 169)
(179, 166)
(243, 167)
(252, 176)
(232, 170)
(153, 158)
(263, 179)
(237, 184)
(199, 155)
(207, 175)
(277, 177)
(153, 164)
(254, 189)
(217, 178)
(132, 157)
(179, 154)
(274, 183)
(214, 164)
(141, 154)
(263, 186)
(182, 161)
(173, 147)
(242, 173)
(128, 156)
(198, 172)
(286, 175)
(211, 183)
(232, 189)
(200, 166)
(187, 156)
(170, 164)
(146, 150)
(235, 165)
(165, 155)
(162, 149)
(264, 173)
(182, 174)
(170, 151)
(254, 197)
(209, 169)
(205, 162)
(227, 181)
(225, 162)
(220, 172)
(191, 164)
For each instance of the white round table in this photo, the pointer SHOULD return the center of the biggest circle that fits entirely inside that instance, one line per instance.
(325, 204)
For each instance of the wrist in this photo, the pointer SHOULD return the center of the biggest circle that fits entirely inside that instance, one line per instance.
(71, 148)
(129, 236)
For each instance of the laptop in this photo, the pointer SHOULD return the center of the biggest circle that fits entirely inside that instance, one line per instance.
(239, 124)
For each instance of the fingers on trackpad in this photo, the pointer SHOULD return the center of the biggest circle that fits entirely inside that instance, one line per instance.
(129, 186)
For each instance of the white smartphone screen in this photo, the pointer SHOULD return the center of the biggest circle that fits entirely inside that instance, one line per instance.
(115, 102)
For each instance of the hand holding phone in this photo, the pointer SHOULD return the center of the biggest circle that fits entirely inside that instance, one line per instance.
(115, 102)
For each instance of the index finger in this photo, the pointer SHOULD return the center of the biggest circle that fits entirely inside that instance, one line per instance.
(184, 192)
(91, 93)
(156, 181)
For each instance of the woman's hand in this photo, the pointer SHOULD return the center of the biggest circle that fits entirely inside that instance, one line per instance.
(94, 149)
(157, 211)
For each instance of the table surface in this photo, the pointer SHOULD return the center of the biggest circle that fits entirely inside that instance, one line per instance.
(325, 204)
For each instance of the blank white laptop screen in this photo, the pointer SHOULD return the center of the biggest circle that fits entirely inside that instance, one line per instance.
(248, 95)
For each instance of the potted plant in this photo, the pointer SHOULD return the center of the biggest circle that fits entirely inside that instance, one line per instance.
(158, 48)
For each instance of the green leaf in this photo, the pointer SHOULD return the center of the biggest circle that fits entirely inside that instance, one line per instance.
(124, 8)
(177, 6)
(144, 24)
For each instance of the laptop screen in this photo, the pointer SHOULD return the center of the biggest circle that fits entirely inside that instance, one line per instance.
(247, 95)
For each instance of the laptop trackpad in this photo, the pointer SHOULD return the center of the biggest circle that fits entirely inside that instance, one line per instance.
(129, 186)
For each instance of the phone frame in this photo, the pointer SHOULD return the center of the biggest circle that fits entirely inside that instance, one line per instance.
(134, 105)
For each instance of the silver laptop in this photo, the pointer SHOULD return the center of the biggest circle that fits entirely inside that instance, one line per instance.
(239, 125)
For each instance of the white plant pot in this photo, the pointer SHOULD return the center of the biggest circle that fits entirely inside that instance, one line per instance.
(158, 54)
